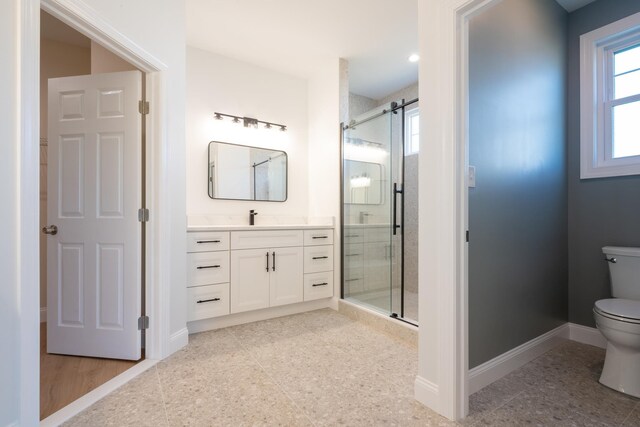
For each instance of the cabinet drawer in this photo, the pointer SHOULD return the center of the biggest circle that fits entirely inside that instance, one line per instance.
(266, 239)
(318, 237)
(207, 301)
(207, 268)
(318, 258)
(203, 241)
(353, 286)
(353, 235)
(353, 255)
(318, 285)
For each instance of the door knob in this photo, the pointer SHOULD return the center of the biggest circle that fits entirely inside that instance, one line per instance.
(50, 229)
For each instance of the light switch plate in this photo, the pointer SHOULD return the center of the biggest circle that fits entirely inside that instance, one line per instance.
(472, 177)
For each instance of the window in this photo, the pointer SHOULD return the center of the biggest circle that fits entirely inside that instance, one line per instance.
(412, 132)
(610, 100)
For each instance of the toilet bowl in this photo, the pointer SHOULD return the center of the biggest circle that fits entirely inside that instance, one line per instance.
(621, 369)
(618, 319)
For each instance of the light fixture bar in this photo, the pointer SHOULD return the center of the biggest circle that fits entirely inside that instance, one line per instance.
(250, 121)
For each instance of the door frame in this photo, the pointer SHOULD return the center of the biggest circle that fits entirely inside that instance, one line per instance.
(88, 22)
(443, 344)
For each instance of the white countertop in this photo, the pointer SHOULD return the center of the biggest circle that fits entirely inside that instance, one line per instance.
(218, 227)
(263, 222)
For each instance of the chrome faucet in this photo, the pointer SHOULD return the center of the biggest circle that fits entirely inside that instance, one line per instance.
(252, 217)
(364, 217)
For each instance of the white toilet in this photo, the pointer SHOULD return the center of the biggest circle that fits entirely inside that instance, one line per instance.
(618, 319)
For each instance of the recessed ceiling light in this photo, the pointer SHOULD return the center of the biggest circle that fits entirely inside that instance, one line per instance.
(414, 58)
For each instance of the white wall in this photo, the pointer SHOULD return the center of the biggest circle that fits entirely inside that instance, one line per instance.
(220, 84)
(139, 21)
(324, 151)
(9, 219)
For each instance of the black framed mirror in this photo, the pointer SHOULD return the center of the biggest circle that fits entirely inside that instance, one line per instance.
(242, 172)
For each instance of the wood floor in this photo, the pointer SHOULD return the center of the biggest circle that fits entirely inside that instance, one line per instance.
(64, 379)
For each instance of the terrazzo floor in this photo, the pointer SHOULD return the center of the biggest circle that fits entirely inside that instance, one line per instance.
(322, 368)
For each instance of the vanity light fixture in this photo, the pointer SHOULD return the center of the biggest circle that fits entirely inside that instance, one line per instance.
(249, 121)
(414, 57)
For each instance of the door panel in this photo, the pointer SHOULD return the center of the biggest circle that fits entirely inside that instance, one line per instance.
(249, 279)
(94, 184)
(70, 181)
(110, 175)
(286, 278)
(71, 285)
(110, 286)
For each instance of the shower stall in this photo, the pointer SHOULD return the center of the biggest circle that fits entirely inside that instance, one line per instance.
(380, 210)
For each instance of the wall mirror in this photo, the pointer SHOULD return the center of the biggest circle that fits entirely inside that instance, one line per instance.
(362, 182)
(240, 172)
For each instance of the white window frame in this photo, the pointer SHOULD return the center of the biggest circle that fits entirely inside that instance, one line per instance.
(408, 140)
(597, 49)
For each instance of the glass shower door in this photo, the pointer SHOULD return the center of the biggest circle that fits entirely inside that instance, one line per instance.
(368, 212)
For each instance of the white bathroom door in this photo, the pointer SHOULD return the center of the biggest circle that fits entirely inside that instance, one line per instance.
(94, 183)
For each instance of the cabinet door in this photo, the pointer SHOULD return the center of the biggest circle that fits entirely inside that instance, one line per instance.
(250, 279)
(286, 276)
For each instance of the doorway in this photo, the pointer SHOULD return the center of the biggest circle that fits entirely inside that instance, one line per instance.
(66, 53)
(380, 210)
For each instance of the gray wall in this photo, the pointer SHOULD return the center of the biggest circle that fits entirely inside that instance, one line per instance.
(518, 211)
(601, 211)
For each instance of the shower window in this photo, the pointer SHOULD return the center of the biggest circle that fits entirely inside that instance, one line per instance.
(412, 129)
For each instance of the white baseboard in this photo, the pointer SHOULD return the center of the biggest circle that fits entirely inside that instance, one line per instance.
(496, 368)
(77, 406)
(427, 393)
(178, 340)
(256, 315)
(586, 335)
(43, 314)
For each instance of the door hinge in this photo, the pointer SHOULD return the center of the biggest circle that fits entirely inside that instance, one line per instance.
(143, 215)
(143, 322)
(467, 236)
(143, 107)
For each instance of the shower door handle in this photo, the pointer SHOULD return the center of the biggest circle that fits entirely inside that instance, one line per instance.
(396, 191)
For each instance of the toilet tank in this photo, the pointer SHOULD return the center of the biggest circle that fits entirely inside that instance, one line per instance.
(624, 269)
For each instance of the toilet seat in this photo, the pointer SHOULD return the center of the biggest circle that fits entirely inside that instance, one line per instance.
(623, 310)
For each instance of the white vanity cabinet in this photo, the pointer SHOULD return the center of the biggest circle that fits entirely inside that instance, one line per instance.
(264, 278)
(207, 275)
(245, 269)
(268, 275)
(318, 264)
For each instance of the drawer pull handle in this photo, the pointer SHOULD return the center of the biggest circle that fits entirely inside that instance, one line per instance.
(351, 280)
(200, 267)
(353, 254)
(208, 241)
(320, 237)
(320, 257)
(200, 301)
(319, 284)
(352, 235)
